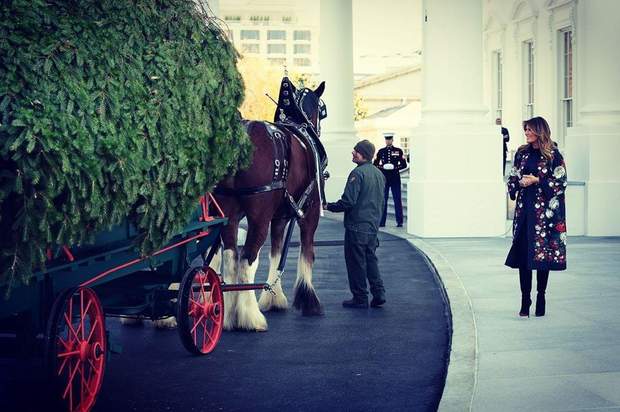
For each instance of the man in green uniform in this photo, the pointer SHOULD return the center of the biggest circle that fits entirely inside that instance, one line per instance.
(362, 204)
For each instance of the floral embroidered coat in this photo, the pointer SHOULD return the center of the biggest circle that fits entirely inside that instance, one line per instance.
(540, 210)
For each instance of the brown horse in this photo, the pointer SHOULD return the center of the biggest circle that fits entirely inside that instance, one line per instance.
(270, 207)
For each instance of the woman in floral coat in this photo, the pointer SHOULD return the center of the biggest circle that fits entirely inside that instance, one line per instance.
(538, 181)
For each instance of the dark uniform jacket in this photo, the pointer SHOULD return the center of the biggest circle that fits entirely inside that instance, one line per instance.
(362, 200)
(393, 155)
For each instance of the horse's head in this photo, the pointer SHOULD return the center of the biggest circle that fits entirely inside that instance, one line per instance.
(310, 103)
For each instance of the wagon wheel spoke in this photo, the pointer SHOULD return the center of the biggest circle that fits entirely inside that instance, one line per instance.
(81, 328)
(82, 382)
(92, 330)
(63, 364)
(70, 326)
(69, 386)
(66, 354)
(197, 322)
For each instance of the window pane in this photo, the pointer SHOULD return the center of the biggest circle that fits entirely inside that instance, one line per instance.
(301, 62)
(249, 35)
(276, 35)
(250, 48)
(276, 48)
(277, 62)
(302, 49)
(301, 35)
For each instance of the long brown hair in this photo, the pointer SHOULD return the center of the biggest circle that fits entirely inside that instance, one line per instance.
(540, 127)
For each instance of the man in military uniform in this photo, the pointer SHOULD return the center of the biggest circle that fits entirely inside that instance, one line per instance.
(391, 161)
(506, 139)
(362, 204)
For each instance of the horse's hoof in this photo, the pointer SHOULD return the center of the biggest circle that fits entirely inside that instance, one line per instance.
(251, 321)
(166, 323)
(268, 302)
(312, 311)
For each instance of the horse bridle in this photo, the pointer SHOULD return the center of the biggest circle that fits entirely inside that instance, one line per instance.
(321, 111)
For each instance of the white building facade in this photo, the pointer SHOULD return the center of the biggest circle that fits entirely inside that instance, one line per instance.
(483, 59)
(284, 32)
(560, 59)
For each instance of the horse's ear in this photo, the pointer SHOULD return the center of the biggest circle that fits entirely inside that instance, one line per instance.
(319, 90)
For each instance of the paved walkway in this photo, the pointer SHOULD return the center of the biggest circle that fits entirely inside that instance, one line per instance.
(566, 361)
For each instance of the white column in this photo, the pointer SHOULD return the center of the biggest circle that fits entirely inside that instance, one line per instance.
(593, 144)
(456, 186)
(336, 63)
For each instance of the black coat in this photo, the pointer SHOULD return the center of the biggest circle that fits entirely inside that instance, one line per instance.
(540, 210)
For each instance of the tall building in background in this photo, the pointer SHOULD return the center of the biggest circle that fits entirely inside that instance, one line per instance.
(284, 32)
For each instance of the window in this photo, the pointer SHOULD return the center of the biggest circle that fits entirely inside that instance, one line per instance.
(276, 48)
(301, 62)
(497, 84)
(257, 19)
(277, 62)
(301, 35)
(404, 144)
(302, 49)
(566, 79)
(276, 35)
(250, 35)
(250, 48)
(232, 18)
(528, 54)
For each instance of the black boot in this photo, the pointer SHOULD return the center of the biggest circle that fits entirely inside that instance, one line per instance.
(525, 281)
(542, 277)
(540, 304)
(526, 302)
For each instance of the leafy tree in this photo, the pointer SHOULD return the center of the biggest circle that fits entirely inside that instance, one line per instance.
(110, 110)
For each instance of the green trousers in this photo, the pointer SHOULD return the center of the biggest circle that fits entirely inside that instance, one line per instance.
(362, 264)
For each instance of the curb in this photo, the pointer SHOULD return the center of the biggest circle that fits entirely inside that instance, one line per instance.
(461, 382)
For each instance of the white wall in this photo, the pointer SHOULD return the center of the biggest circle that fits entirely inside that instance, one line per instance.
(595, 135)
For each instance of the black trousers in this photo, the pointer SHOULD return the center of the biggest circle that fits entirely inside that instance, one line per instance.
(525, 281)
(362, 264)
(394, 186)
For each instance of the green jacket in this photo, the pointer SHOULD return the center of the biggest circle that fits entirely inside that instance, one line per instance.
(362, 201)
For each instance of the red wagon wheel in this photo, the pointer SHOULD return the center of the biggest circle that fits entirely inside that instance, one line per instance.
(76, 348)
(201, 310)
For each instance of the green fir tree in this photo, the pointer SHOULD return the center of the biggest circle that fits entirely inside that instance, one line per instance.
(110, 110)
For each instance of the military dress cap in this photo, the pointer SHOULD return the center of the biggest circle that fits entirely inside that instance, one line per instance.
(365, 148)
(388, 136)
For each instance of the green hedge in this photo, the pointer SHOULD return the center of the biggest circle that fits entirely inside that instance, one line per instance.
(110, 109)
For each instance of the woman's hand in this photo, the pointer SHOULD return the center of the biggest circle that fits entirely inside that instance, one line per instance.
(528, 180)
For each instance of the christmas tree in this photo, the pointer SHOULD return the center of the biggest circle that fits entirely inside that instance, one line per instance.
(110, 110)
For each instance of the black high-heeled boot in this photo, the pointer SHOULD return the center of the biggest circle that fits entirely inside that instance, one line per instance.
(526, 302)
(525, 282)
(540, 304)
(542, 277)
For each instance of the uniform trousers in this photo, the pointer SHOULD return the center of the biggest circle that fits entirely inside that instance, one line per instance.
(362, 264)
(393, 185)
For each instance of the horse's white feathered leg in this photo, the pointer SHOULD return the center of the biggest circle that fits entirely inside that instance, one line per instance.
(249, 316)
(166, 323)
(216, 261)
(306, 298)
(270, 301)
(229, 272)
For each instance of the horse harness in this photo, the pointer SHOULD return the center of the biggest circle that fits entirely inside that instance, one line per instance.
(282, 149)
